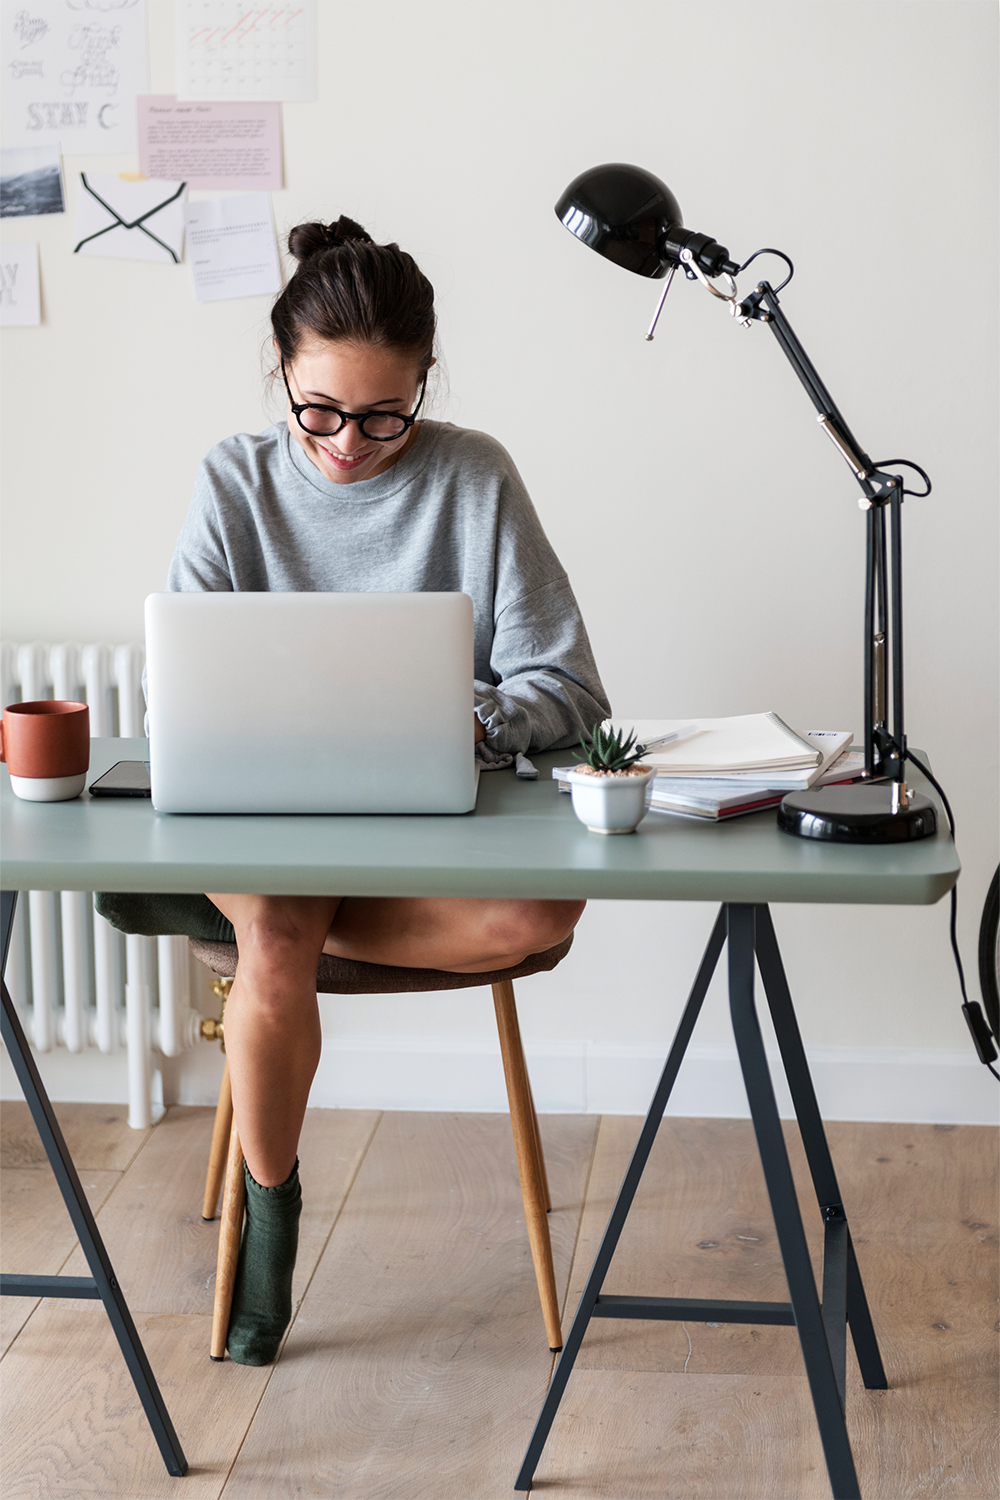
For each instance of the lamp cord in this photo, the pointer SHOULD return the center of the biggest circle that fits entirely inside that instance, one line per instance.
(925, 771)
(768, 251)
(907, 463)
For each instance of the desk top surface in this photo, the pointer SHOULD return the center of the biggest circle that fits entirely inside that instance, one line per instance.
(523, 840)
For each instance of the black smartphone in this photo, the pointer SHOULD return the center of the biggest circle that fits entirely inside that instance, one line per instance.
(128, 778)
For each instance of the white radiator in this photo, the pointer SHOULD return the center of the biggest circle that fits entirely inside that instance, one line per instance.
(76, 981)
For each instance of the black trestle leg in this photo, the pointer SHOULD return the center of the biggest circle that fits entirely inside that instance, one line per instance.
(835, 1295)
(822, 1328)
(623, 1203)
(841, 1278)
(102, 1281)
(826, 1396)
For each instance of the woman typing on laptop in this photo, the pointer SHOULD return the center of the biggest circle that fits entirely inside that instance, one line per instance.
(354, 493)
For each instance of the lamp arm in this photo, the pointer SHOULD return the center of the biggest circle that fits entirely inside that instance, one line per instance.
(764, 296)
(885, 751)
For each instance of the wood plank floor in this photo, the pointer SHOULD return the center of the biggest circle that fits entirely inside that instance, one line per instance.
(417, 1360)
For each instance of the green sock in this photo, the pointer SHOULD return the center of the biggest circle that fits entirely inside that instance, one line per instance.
(262, 1300)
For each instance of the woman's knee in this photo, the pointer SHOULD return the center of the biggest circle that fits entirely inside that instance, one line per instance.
(534, 926)
(279, 933)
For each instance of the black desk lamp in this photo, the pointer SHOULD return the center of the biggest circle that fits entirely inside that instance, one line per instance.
(633, 219)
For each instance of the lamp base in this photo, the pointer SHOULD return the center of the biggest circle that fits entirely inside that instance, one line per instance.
(858, 813)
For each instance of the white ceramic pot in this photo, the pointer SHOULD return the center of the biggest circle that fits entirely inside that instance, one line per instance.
(611, 804)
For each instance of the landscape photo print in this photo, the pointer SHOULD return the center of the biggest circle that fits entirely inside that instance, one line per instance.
(30, 182)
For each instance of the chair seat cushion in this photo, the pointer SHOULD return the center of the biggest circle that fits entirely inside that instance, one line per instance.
(348, 976)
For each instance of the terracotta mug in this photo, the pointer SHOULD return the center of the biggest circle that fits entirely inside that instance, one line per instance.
(47, 749)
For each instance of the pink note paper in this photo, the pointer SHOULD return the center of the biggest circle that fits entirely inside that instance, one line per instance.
(209, 145)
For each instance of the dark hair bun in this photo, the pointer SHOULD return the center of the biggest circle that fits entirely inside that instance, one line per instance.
(308, 239)
(347, 289)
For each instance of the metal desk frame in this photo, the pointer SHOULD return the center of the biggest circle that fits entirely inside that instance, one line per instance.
(522, 841)
(822, 1327)
(102, 1282)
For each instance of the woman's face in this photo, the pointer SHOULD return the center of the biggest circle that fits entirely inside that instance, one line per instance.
(354, 378)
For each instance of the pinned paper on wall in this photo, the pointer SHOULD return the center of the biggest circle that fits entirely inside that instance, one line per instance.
(71, 72)
(232, 247)
(20, 299)
(30, 182)
(129, 220)
(210, 145)
(233, 49)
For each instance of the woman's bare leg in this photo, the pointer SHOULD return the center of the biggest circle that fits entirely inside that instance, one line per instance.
(273, 1035)
(272, 1022)
(273, 1042)
(464, 935)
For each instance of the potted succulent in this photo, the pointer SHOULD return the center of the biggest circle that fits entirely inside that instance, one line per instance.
(609, 788)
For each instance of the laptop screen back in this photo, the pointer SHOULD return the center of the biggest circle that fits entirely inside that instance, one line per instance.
(311, 703)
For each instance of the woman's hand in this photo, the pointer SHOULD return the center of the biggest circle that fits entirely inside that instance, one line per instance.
(480, 729)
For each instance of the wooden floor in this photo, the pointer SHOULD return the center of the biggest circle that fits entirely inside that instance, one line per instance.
(417, 1360)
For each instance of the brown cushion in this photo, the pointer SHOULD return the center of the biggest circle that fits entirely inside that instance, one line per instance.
(349, 976)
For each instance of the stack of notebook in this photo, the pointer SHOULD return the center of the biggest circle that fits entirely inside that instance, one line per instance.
(721, 768)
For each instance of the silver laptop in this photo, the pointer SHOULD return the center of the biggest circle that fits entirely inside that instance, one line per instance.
(311, 703)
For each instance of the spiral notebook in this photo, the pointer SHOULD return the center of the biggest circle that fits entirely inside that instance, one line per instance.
(720, 747)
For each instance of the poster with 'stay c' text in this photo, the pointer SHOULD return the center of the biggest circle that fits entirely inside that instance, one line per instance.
(71, 72)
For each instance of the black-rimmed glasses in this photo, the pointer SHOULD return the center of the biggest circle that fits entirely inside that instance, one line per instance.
(326, 421)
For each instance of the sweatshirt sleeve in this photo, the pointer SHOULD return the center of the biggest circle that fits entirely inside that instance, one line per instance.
(200, 563)
(546, 690)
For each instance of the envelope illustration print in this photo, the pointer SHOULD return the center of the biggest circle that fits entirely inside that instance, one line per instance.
(129, 220)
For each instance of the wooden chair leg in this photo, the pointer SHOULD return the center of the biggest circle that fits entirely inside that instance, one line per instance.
(220, 1145)
(230, 1231)
(546, 1195)
(527, 1145)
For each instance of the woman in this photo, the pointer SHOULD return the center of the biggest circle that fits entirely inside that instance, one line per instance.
(352, 492)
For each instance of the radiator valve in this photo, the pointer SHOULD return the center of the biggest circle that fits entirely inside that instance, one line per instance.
(214, 1030)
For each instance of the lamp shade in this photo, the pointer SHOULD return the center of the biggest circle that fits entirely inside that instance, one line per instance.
(624, 214)
(633, 219)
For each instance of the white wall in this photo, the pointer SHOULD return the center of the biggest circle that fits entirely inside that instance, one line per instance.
(709, 528)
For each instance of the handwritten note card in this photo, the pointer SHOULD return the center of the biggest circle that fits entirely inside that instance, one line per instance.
(232, 247)
(210, 145)
(235, 49)
(20, 303)
(71, 72)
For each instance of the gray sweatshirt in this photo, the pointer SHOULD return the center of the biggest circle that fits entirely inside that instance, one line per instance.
(452, 515)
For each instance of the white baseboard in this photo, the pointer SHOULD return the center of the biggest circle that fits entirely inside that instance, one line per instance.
(75, 1078)
(585, 1077)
